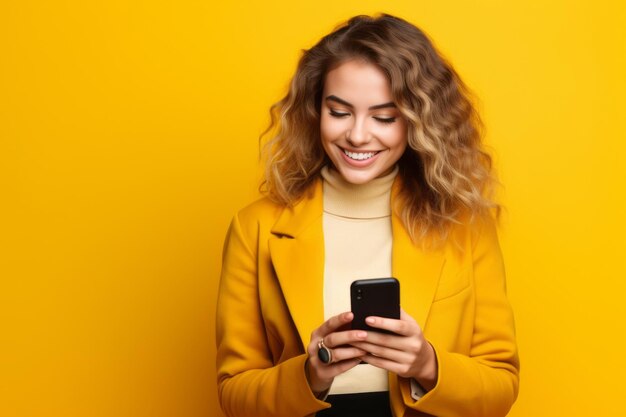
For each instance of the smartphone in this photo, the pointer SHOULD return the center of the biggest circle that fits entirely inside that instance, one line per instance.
(374, 297)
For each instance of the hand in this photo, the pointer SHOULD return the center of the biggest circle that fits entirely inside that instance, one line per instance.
(406, 353)
(344, 356)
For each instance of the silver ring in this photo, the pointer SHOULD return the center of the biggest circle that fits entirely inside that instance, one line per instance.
(323, 353)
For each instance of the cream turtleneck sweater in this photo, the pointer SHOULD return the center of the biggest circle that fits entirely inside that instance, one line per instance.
(357, 244)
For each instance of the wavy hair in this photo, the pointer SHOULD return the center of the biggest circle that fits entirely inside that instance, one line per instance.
(445, 172)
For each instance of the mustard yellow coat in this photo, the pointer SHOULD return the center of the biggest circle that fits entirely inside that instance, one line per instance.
(270, 300)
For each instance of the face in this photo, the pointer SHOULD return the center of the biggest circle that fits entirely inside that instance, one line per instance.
(363, 132)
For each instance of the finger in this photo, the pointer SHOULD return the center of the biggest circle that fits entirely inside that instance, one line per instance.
(400, 327)
(389, 365)
(346, 337)
(386, 352)
(339, 368)
(342, 358)
(332, 324)
(340, 352)
(344, 366)
(393, 341)
(410, 343)
(327, 327)
(346, 353)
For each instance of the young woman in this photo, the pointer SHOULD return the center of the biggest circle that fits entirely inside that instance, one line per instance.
(374, 169)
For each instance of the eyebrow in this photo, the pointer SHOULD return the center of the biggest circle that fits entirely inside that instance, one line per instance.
(345, 103)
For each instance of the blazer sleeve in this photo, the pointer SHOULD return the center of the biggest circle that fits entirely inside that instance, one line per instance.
(485, 382)
(249, 382)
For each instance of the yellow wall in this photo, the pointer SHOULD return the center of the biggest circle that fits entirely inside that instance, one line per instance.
(128, 138)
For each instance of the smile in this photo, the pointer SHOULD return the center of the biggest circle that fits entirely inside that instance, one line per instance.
(359, 156)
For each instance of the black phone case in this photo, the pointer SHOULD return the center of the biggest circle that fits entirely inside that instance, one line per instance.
(374, 297)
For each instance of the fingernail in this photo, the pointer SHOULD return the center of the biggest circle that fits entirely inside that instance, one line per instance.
(361, 335)
(370, 320)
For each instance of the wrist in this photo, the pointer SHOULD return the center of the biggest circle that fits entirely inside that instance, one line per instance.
(317, 387)
(428, 374)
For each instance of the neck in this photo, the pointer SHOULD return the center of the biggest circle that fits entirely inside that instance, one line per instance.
(361, 201)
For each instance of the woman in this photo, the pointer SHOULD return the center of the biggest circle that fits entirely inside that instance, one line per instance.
(375, 169)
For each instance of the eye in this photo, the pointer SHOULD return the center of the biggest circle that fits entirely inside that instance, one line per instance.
(338, 114)
(385, 120)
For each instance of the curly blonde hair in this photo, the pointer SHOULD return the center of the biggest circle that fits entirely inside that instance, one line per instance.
(445, 171)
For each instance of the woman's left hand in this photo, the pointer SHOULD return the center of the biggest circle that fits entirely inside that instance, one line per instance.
(406, 352)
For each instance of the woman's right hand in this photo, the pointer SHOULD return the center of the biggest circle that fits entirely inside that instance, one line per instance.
(344, 356)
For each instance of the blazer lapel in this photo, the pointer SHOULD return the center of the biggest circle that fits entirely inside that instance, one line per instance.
(297, 253)
(417, 269)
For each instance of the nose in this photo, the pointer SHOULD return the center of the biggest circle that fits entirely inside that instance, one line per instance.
(358, 134)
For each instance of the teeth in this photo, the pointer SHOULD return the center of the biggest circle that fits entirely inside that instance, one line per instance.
(359, 156)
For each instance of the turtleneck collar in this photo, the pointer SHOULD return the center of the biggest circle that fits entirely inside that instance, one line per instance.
(357, 201)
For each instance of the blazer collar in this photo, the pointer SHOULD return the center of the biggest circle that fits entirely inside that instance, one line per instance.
(297, 253)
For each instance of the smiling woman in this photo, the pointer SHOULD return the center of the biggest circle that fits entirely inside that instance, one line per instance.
(361, 128)
(375, 169)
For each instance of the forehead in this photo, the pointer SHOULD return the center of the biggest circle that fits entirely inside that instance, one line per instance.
(358, 82)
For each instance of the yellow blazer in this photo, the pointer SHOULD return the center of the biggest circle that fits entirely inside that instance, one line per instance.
(270, 300)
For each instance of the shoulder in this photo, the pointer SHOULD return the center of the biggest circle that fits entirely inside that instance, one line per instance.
(266, 215)
(260, 214)
(471, 234)
(262, 208)
(250, 225)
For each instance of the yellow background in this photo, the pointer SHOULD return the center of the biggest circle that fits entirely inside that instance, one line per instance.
(128, 138)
